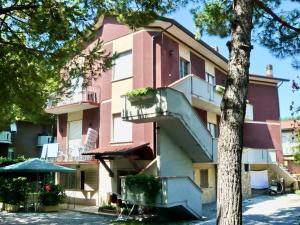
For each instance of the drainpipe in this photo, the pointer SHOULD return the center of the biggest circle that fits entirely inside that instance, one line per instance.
(155, 127)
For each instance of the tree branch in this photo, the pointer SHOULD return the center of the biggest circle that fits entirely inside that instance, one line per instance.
(16, 7)
(274, 16)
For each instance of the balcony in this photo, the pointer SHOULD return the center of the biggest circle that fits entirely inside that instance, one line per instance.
(72, 152)
(5, 137)
(202, 94)
(171, 196)
(172, 111)
(259, 156)
(78, 101)
(43, 139)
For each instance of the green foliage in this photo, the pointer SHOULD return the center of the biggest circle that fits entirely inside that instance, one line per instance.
(13, 190)
(52, 194)
(107, 207)
(4, 161)
(38, 39)
(140, 13)
(213, 17)
(143, 184)
(297, 192)
(297, 147)
(141, 92)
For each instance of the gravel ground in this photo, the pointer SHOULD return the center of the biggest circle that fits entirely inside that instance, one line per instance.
(262, 210)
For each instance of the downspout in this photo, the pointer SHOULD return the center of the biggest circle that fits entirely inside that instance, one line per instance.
(155, 127)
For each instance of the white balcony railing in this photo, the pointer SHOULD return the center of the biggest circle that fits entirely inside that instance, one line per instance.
(202, 94)
(78, 101)
(259, 156)
(72, 151)
(5, 137)
(77, 97)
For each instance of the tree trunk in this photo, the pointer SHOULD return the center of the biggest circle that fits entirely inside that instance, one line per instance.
(233, 107)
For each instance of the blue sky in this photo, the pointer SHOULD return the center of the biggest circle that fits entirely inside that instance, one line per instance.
(260, 57)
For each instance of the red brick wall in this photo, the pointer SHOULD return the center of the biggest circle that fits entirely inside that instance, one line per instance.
(105, 124)
(264, 99)
(263, 136)
(169, 61)
(143, 77)
(142, 58)
(91, 119)
(62, 126)
(112, 29)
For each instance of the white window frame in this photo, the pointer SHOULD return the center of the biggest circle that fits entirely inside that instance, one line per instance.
(114, 139)
(212, 128)
(130, 73)
(188, 67)
(207, 76)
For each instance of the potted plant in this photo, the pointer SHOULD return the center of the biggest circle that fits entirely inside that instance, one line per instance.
(51, 196)
(13, 193)
(141, 95)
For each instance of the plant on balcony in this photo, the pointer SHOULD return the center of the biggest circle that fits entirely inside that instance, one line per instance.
(51, 195)
(143, 185)
(142, 96)
(220, 89)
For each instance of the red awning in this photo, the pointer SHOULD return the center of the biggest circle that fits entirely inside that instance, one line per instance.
(121, 150)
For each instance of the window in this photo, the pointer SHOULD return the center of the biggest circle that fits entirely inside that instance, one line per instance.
(123, 66)
(210, 79)
(184, 67)
(122, 130)
(67, 180)
(11, 153)
(212, 129)
(204, 178)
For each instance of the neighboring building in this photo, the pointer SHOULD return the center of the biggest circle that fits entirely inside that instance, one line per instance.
(171, 133)
(289, 129)
(24, 139)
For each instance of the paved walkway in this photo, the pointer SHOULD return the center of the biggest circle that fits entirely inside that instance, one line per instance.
(262, 210)
(265, 210)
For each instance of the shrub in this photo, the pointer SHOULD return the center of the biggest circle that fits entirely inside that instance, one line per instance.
(297, 192)
(143, 184)
(52, 194)
(4, 161)
(13, 190)
(107, 207)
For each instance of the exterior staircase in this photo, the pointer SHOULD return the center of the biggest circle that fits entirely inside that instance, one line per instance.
(177, 194)
(174, 113)
(284, 173)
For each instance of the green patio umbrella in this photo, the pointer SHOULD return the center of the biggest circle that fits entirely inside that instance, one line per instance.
(35, 165)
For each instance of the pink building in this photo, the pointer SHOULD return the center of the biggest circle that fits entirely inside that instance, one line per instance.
(172, 132)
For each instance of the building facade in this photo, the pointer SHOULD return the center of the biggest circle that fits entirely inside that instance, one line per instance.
(24, 138)
(289, 131)
(172, 131)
